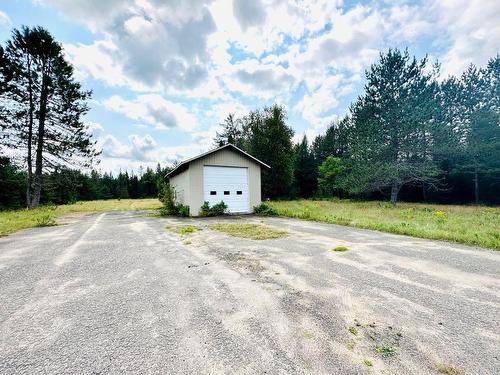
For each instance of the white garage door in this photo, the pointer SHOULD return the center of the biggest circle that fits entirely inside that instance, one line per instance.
(228, 184)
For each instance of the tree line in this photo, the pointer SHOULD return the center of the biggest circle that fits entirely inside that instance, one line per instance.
(408, 135)
(62, 186)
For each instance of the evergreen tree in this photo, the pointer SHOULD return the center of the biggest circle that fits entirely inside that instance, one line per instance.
(270, 140)
(233, 131)
(333, 143)
(45, 107)
(134, 189)
(123, 184)
(305, 175)
(391, 126)
(12, 185)
(479, 123)
(148, 183)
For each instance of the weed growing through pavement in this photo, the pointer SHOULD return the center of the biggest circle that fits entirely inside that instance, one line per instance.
(340, 248)
(386, 350)
(353, 330)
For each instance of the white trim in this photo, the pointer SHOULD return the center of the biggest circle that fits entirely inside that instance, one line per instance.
(187, 161)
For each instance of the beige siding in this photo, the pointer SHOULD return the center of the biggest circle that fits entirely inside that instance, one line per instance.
(180, 185)
(224, 157)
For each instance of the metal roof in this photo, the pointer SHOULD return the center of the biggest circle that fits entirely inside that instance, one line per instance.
(183, 165)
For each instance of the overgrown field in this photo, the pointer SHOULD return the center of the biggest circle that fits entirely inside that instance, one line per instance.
(473, 225)
(11, 221)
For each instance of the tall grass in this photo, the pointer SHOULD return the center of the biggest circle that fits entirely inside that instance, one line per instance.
(473, 225)
(14, 220)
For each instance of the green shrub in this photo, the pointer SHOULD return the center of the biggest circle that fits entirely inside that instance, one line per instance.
(204, 209)
(170, 208)
(216, 210)
(264, 209)
(47, 219)
(166, 196)
(182, 210)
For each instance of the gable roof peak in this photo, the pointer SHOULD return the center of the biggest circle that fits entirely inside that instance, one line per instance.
(179, 168)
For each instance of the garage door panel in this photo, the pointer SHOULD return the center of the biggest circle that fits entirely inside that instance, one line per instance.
(230, 179)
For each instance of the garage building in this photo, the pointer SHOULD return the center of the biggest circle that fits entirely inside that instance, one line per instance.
(226, 174)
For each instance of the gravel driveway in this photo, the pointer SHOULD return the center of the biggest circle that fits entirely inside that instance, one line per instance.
(118, 293)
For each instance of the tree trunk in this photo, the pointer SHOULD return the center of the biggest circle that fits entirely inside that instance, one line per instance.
(424, 193)
(476, 185)
(30, 137)
(394, 192)
(37, 189)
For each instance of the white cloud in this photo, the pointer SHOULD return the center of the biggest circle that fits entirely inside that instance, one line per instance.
(225, 56)
(221, 110)
(94, 129)
(5, 20)
(154, 110)
(472, 28)
(249, 13)
(139, 148)
(351, 44)
(156, 44)
(252, 78)
(142, 151)
(316, 107)
(96, 61)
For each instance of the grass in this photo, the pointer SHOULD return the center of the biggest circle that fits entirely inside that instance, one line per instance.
(443, 368)
(353, 330)
(340, 248)
(308, 335)
(368, 363)
(386, 350)
(252, 231)
(182, 229)
(351, 345)
(472, 225)
(14, 220)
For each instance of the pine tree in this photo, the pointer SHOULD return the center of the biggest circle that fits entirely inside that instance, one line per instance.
(479, 123)
(233, 132)
(270, 140)
(305, 175)
(333, 143)
(390, 139)
(45, 107)
(12, 186)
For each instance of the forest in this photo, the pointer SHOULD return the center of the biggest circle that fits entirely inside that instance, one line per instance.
(410, 135)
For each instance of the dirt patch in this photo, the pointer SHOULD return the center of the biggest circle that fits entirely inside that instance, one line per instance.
(243, 262)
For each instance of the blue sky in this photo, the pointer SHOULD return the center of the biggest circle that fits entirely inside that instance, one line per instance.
(164, 76)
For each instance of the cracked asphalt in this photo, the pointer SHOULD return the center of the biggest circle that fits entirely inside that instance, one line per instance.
(117, 293)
